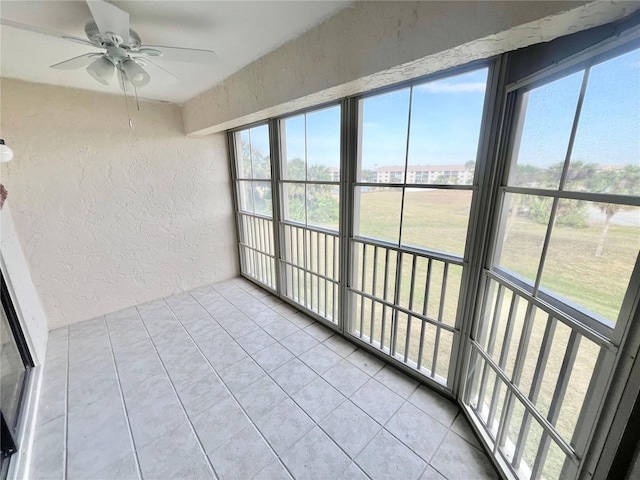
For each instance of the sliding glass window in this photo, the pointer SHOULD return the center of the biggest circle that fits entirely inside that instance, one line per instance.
(417, 152)
(310, 210)
(254, 204)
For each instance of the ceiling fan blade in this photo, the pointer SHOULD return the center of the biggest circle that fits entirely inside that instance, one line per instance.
(44, 31)
(158, 74)
(188, 55)
(79, 40)
(110, 18)
(77, 62)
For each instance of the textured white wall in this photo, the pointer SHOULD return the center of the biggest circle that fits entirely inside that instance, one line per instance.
(24, 294)
(373, 44)
(108, 216)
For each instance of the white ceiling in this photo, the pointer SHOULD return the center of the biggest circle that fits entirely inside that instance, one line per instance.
(238, 31)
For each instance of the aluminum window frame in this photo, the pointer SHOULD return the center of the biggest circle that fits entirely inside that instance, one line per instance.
(243, 260)
(281, 184)
(581, 322)
(492, 65)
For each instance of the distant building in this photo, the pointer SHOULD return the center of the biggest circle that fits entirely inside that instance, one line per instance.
(452, 174)
(334, 173)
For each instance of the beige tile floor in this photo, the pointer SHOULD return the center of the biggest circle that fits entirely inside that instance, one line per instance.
(226, 381)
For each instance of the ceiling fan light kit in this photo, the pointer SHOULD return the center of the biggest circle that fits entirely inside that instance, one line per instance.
(6, 154)
(101, 70)
(135, 73)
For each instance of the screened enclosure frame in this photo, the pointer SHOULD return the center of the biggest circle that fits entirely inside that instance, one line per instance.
(486, 289)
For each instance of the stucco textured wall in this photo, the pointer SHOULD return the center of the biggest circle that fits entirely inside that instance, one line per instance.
(24, 294)
(109, 216)
(374, 44)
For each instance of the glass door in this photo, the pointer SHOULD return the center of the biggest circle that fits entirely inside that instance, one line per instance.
(15, 363)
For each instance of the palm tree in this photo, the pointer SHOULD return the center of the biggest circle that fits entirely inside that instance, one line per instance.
(624, 181)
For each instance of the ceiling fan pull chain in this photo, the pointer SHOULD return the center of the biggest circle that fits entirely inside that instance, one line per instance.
(126, 103)
(136, 92)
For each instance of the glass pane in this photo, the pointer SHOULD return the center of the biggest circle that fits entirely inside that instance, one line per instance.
(591, 255)
(436, 219)
(606, 152)
(548, 113)
(293, 199)
(323, 145)
(384, 126)
(444, 353)
(379, 213)
(260, 157)
(579, 380)
(445, 128)
(262, 198)
(293, 148)
(554, 462)
(524, 226)
(323, 205)
(12, 374)
(243, 154)
(542, 323)
(551, 373)
(245, 196)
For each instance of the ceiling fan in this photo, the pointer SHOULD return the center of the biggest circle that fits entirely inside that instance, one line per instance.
(124, 53)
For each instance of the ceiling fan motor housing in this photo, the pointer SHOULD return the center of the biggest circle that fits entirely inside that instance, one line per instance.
(109, 39)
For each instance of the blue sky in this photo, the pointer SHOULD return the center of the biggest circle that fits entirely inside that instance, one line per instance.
(446, 116)
(609, 127)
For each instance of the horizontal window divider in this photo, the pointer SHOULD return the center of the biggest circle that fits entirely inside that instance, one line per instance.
(254, 215)
(436, 382)
(247, 179)
(433, 186)
(572, 195)
(443, 257)
(308, 182)
(249, 247)
(398, 357)
(406, 311)
(310, 272)
(247, 126)
(311, 228)
(592, 320)
(530, 407)
(257, 283)
(583, 330)
(310, 313)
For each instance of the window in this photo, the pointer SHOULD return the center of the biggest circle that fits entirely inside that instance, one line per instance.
(254, 203)
(566, 243)
(310, 186)
(411, 225)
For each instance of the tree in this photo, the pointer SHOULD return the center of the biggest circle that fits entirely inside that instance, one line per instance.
(469, 169)
(624, 181)
(368, 176)
(255, 164)
(316, 202)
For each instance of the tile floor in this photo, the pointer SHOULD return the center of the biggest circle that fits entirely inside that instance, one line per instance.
(226, 381)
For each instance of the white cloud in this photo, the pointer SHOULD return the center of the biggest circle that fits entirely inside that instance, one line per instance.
(446, 87)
